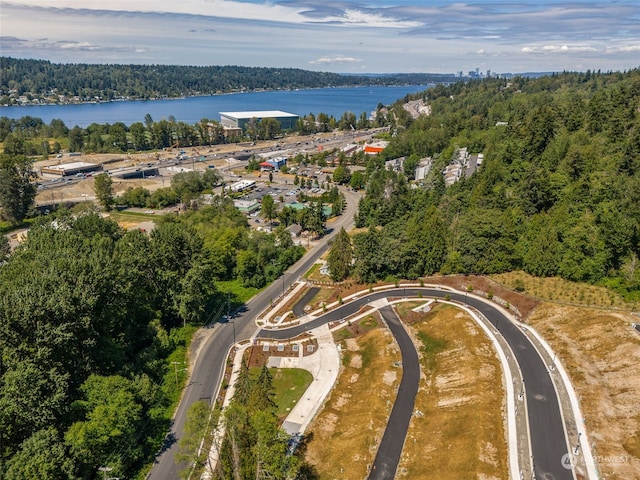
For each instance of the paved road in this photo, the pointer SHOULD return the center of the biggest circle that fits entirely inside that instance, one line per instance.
(390, 450)
(548, 438)
(298, 308)
(208, 368)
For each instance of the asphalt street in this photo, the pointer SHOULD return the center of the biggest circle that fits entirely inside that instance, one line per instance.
(209, 366)
(298, 308)
(546, 426)
(390, 449)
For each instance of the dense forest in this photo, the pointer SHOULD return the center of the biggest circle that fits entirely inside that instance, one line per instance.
(89, 82)
(93, 320)
(556, 195)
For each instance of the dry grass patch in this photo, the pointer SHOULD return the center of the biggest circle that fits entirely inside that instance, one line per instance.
(345, 435)
(459, 432)
(561, 290)
(601, 353)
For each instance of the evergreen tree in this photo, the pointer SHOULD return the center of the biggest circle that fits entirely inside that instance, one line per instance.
(340, 256)
(103, 188)
(17, 190)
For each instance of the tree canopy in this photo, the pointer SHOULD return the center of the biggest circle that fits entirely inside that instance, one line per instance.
(555, 194)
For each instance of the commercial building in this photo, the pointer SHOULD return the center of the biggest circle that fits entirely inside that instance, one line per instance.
(247, 206)
(231, 120)
(243, 185)
(69, 169)
(273, 164)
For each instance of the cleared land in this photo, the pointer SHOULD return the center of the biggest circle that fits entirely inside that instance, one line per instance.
(589, 328)
(347, 431)
(457, 430)
(601, 352)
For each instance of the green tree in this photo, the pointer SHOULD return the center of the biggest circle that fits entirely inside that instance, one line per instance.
(269, 128)
(14, 145)
(135, 197)
(198, 432)
(113, 416)
(188, 185)
(42, 455)
(340, 256)
(5, 248)
(17, 191)
(268, 209)
(341, 175)
(357, 180)
(316, 223)
(76, 139)
(103, 188)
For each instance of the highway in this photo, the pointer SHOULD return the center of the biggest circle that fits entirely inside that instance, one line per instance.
(209, 366)
(547, 432)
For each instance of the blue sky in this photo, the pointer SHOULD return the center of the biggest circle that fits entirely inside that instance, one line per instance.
(326, 35)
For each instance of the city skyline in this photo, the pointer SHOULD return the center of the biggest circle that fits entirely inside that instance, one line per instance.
(337, 36)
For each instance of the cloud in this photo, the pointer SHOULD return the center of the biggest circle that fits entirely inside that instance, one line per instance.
(334, 60)
(624, 49)
(397, 35)
(12, 44)
(558, 49)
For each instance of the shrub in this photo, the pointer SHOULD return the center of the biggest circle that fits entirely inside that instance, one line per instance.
(518, 285)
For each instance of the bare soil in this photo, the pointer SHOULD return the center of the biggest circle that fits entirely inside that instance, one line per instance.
(601, 353)
(346, 433)
(519, 304)
(457, 430)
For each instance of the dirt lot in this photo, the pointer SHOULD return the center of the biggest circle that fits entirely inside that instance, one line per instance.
(601, 352)
(345, 434)
(458, 429)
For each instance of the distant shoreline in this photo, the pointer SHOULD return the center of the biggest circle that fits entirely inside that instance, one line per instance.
(36, 103)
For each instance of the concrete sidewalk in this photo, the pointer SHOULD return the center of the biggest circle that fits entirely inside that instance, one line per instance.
(324, 365)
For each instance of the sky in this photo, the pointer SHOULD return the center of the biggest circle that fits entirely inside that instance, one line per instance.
(342, 36)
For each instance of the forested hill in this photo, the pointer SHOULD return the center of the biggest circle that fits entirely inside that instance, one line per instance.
(107, 82)
(558, 192)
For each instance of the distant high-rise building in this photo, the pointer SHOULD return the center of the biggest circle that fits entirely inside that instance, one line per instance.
(488, 73)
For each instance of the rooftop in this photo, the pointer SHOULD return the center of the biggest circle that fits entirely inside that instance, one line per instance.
(258, 114)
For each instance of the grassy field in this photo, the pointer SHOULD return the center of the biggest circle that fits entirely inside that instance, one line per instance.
(239, 293)
(347, 431)
(289, 385)
(129, 217)
(457, 431)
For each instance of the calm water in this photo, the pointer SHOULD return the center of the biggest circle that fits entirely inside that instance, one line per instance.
(332, 101)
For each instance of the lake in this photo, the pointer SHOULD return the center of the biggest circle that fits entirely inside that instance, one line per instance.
(332, 101)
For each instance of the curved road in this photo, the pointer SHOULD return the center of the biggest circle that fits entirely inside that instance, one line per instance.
(390, 449)
(546, 425)
(208, 368)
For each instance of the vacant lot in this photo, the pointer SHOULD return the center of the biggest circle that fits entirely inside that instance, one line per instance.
(346, 433)
(601, 352)
(457, 430)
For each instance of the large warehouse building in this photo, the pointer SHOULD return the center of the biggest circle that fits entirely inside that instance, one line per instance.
(287, 121)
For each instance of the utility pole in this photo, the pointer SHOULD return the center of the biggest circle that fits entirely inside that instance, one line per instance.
(175, 369)
(229, 318)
